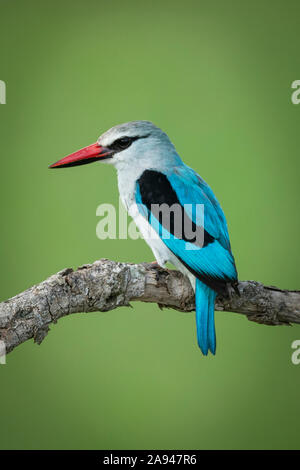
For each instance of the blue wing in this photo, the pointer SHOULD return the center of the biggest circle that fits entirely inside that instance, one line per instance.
(212, 262)
(191, 187)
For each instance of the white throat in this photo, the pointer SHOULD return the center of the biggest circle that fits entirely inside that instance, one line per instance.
(127, 178)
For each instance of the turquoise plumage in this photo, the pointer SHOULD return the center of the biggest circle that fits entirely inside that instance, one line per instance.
(213, 263)
(205, 321)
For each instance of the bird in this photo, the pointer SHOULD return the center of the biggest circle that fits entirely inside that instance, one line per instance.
(151, 175)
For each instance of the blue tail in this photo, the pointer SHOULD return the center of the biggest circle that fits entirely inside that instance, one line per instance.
(205, 317)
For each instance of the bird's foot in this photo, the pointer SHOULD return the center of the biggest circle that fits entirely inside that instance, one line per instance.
(161, 265)
(233, 289)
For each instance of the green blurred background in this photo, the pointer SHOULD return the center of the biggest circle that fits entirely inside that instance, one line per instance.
(216, 76)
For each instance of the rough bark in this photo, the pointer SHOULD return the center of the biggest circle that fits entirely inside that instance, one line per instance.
(106, 285)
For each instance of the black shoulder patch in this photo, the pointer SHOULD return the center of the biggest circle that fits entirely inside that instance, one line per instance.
(156, 190)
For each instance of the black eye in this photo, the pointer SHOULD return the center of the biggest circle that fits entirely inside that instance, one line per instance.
(125, 142)
(122, 143)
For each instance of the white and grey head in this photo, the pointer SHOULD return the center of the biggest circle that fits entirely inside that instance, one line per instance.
(133, 144)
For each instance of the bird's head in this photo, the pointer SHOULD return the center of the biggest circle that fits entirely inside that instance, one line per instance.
(126, 145)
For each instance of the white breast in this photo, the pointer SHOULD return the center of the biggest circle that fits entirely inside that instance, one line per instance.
(127, 184)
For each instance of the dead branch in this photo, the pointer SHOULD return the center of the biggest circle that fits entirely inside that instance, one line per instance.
(106, 285)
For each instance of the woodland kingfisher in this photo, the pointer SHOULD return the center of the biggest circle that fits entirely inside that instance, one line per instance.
(163, 196)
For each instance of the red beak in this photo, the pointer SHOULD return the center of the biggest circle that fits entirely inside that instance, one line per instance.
(86, 155)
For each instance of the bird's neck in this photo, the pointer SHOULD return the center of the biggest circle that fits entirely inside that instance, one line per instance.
(129, 171)
(127, 178)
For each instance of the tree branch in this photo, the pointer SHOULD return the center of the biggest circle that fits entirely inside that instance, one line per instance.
(106, 285)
